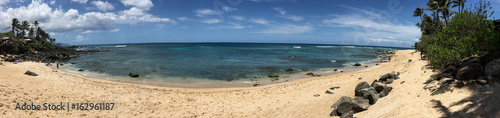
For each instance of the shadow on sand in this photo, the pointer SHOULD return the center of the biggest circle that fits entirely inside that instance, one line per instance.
(484, 103)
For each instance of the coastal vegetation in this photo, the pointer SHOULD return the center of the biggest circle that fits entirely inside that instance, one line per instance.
(449, 36)
(25, 37)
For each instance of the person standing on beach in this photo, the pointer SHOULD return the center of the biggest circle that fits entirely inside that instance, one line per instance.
(58, 65)
(389, 58)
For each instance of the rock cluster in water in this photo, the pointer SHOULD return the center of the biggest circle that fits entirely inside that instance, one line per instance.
(49, 56)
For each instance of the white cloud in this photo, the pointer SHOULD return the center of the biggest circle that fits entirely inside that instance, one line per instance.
(287, 29)
(230, 26)
(52, 2)
(141, 4)
(238, 18)
(115, 30)
(80, 1)
(80, 38)
(182, 18)
(229, 9)
(374, 26)
(204, 12)
(284, 15)
(281, 10)
(103, 6)
(293, 17)
(259, 21)
(211, 21)
(58, 20)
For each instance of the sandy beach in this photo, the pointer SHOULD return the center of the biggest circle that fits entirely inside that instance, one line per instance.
(288, 99)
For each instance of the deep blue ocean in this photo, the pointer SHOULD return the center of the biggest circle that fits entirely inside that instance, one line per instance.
(219, 61)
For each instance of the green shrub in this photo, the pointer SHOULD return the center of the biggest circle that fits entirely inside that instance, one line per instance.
(467, 34)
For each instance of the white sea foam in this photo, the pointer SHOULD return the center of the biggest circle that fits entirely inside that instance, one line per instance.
(121, 46)
(326, 46)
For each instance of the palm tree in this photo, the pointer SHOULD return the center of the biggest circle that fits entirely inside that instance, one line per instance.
(15, 24)
(460, 4)
(432, 5)
(31, 33)
(24, 26)
(418, 12)
(444, 8)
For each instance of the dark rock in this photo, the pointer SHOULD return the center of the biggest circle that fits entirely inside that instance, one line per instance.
(493, 68)
(289, 70)
(432, 86)
(349, 114)
(385, 91)
(469, 71)
(361, 85)
(471, 59)
(449, 71)
(333, 88)
(402, 82)
(310, 74)
(345, 107)
(132, 74)
(256, 84)
(492, 79)
(389, 81)
(360, 78)
(442, 89)
(335, 69)
(458, 84)
(334, 113)
(482, 82)
(366, 66)
(30, 73)
(372, 96)
(357, 64)
(364, 91)
(341, 71)
(385, 77)
(376, 64)
(328, 92)
(316, 95)
(80, 70)
(273, 76)
(341, 100)
(488, 57)
(378, 86)
(360, 104)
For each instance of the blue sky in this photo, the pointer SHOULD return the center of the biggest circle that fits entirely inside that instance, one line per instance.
(353, 22)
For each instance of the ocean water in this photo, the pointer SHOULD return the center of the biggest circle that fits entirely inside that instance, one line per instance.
(222, 62)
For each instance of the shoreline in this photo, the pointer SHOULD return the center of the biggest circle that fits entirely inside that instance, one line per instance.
(289, 99)
(198, 83)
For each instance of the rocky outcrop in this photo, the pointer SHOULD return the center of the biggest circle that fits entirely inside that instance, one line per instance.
(366, 95)
(471, 71)
(493, 68)
(360, 88)
(50, 56)
(389, 77)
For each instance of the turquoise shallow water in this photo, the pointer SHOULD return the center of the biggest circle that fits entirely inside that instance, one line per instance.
(219, 61)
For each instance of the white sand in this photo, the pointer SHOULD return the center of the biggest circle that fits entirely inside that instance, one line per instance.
(289, 99)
